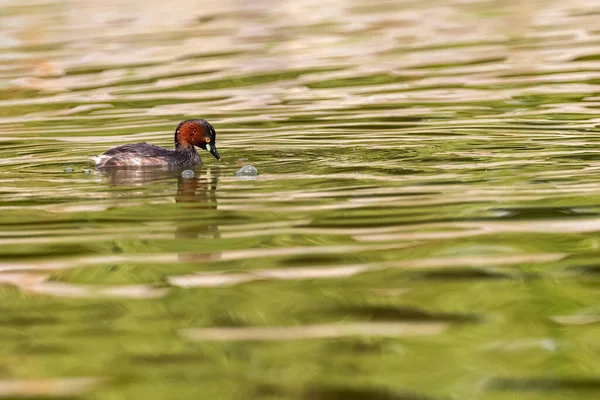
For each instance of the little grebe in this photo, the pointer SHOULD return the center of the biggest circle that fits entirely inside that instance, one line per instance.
(190, 133)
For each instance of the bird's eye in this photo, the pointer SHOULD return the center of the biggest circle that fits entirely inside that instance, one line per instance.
(207, 140)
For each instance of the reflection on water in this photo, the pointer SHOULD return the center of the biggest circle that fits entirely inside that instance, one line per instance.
(199, 194)
(424, 224)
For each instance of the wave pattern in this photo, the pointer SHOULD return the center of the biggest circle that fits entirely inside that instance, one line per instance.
(424, 225)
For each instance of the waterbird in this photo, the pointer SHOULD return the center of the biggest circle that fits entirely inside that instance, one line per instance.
(189, 134)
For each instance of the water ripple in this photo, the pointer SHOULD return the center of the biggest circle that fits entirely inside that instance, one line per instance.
(418, 159)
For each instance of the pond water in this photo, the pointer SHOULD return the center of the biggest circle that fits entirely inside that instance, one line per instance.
(425, 222)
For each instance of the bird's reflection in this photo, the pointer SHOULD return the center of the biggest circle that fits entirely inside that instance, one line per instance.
(196, 194)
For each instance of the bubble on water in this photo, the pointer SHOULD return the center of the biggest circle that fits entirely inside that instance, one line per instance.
(247, 171)
(68, 169)
(188, 173)
(86, 171)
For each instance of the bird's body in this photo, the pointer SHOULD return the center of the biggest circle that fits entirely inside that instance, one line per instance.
(147, 155)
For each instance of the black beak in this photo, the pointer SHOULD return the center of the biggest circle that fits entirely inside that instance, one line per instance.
(214, 152)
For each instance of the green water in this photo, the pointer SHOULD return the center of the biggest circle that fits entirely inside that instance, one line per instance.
(424, 225)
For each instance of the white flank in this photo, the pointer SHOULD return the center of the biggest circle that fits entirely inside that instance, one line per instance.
(99, 159)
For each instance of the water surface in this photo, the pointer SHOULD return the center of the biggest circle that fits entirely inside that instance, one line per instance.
(424, 225)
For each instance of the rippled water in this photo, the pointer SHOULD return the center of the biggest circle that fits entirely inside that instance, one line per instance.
(424, 225)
